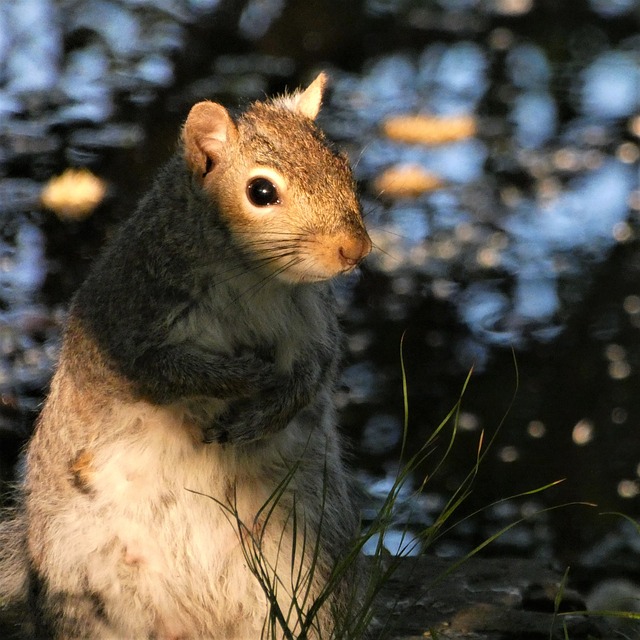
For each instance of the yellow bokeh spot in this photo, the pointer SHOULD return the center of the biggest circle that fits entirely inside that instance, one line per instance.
(74, 194)
(407, 181)
(429, 129)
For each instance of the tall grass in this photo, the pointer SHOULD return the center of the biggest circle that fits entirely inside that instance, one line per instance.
(347, 592)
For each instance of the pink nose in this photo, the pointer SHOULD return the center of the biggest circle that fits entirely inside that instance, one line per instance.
(353, 249)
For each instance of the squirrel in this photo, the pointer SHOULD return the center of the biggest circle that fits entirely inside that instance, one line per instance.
(187, 455)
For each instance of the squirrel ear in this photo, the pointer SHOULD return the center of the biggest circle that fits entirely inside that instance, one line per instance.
(308, 102)
(205, 134)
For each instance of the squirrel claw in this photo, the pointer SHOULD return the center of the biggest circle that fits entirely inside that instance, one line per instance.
(215, 435)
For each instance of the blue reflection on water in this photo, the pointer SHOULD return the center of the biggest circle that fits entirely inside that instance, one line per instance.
(23, 267)
(582, 216)
(581, 220)
(454, 75)
(574, 220)
(535, 116)
(611, 8)
(611, 85)
(528, 67)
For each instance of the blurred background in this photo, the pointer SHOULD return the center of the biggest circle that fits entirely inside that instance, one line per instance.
(497, 146)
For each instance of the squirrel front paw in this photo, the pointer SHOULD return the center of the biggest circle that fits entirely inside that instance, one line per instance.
(245, 421)
(215, 434)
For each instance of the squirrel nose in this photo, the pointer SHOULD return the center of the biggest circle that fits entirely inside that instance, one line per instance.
(353, 249)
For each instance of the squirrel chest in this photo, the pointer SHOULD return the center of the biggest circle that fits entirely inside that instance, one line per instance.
(282, 321)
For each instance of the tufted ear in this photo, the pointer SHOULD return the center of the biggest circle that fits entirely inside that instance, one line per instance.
(308, 102)
(205, 135)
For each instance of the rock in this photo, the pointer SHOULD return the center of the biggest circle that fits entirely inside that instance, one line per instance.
(483, 599)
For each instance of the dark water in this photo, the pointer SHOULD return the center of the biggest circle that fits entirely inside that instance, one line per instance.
(524, 265)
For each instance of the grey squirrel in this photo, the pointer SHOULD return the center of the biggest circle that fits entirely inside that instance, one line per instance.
(194, 384)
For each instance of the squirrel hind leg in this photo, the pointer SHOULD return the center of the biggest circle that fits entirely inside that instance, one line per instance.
(14, 564)
(67, 615)
(14, 571)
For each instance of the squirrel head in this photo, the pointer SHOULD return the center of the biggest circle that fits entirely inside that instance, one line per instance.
(287, 197)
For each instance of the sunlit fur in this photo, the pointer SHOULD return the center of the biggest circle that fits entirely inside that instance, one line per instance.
(299, 239)
(160, 485)
(194, 386)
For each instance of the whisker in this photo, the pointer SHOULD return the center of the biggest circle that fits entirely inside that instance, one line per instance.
(257, 286)
(373, 207)
(388, 232)
(356, 161)
(386, 253)
(281, 244)
(235, 272)
(267, 233)
(298, 232)
(243, 268)
(256, 262)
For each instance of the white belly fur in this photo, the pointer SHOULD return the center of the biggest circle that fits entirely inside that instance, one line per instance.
(164, 556)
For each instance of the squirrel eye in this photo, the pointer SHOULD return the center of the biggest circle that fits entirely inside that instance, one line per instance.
(262, 192)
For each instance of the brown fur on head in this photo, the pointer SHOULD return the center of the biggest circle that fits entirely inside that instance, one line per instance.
(209, 130)
(311, 228)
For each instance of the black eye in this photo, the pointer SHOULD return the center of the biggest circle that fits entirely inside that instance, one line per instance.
(262, 192)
